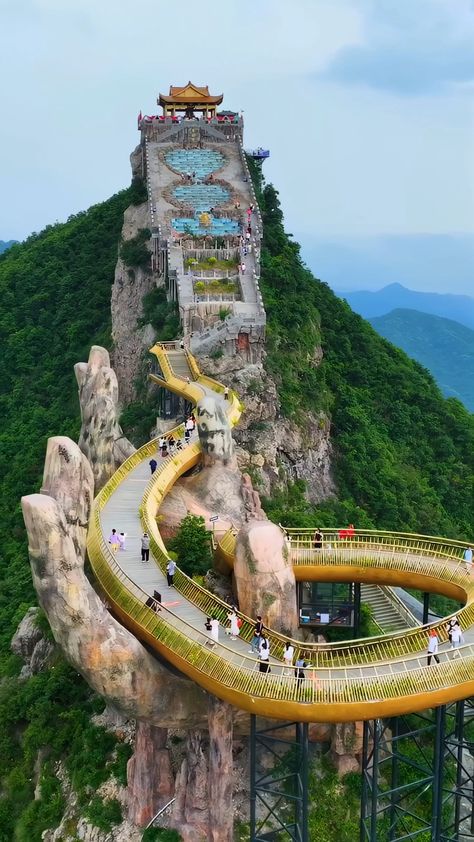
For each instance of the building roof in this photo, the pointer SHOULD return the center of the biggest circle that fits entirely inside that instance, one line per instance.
(191, 94)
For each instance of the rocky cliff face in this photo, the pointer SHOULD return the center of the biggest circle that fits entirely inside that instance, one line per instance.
(149, 774)
(30, 644)
(101, 438)
(273, 448)
(264, 576)
(130, 286)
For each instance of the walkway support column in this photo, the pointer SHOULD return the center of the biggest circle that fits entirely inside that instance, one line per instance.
(279, 790)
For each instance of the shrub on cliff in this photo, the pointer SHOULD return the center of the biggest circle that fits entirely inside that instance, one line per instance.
(192, 545)
(134, 252)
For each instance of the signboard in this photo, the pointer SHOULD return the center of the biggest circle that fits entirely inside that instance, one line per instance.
(213, 518)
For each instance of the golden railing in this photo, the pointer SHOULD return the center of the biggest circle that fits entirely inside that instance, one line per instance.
(335, 551)
(335, 680)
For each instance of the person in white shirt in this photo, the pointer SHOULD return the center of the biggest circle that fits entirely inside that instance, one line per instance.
(468, 557)
(215, 630)
(433, 646)
(288, 653)
(457, 638)
(264, 654)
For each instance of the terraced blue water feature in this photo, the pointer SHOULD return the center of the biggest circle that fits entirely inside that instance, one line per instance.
(201, 162)
(202, 197)
(218, 227)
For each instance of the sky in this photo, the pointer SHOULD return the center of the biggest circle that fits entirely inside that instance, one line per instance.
(367, 107)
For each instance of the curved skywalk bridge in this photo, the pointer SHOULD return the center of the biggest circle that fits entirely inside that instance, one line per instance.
(380, 676)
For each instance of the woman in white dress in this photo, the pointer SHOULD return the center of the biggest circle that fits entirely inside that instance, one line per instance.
(215, 630)
(457, 638)
(234, 625)
(288, 653)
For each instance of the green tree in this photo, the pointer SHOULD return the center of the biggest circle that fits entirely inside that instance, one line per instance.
(192, 545)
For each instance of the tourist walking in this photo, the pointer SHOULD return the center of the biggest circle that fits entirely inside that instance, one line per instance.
(114, 540)
(288, 653)
(153, 465)
(170, 571)
(433, 646)
(234, 627)
(457, 638)
(226, 393)
(189, 425)
(122, 538)
(264, 655)
(212, 626)
(215, 630)
(257, 634)
(450, 625)
(317, 539)
(300, 665)
(468, 557)
(145, 543)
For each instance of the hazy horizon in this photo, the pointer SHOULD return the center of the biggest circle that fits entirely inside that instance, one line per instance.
(369, 118)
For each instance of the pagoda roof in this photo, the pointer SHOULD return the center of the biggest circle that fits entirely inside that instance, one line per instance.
(190, 93)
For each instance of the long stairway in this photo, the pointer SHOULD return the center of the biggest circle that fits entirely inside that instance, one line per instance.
(180, 365)
(388, 612)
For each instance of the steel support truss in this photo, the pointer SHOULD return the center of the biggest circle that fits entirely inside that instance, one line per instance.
(279, 794)
(418, 776)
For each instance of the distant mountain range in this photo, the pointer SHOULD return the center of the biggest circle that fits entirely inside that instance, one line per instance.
(443, 262)
(369, 304)
(443, 346)
(5, 244)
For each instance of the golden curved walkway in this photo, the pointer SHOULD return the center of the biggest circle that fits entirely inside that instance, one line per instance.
(363, 679)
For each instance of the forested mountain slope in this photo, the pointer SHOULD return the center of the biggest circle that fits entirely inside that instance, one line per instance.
(404, 454)
(55, 293)
(443, 346)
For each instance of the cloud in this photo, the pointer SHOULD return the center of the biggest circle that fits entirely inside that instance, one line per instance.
(411, 48)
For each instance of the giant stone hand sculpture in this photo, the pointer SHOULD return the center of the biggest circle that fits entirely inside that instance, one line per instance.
(109, 657)
(101, 438)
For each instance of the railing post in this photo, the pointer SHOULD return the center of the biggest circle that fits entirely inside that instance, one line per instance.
(426, 608)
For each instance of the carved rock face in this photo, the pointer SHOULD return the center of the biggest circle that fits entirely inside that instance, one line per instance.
(101, 439)
(214, 431)
(264, 576)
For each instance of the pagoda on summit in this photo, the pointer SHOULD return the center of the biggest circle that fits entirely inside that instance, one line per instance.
(189, 99)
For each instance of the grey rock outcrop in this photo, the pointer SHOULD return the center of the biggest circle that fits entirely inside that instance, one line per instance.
(109, 657)
(264, 576)
(31, 646)
(130, 286)
(276, 448)
(101, 438)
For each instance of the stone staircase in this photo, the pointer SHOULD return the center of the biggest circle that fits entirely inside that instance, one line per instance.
(179, 364)
(388, 612)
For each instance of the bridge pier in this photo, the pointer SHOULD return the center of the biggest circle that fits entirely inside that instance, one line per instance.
(279, 795)
(418, 776)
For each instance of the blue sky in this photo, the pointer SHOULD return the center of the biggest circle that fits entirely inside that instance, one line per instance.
(367, 105)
